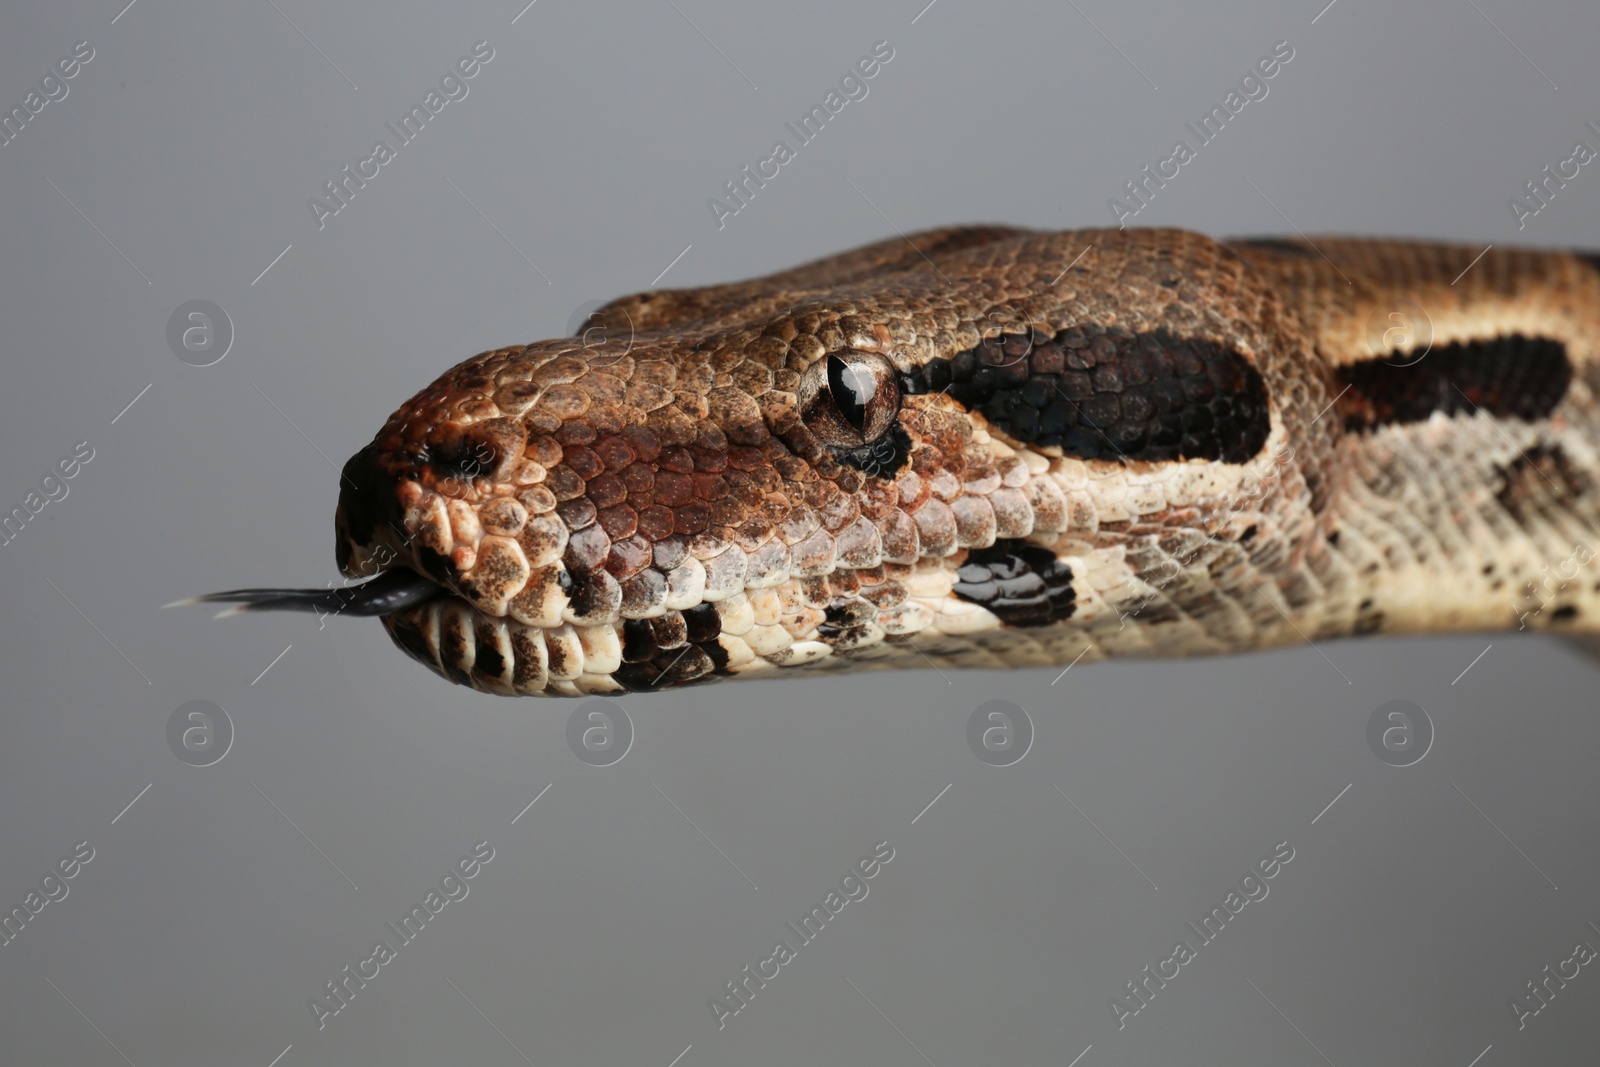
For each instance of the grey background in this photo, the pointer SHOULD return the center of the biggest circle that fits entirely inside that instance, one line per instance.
(591, 143)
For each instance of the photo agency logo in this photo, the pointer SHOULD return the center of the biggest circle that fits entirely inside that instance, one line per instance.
(1000, 733)
(50, 889)
(1538, 594)
(1400, 733)
(852, 86)
(339, 992)
(199, 733)
(595, 331)
(1400, 334)
(1541, 991)
(1253, 888)
(452, 87)
(53, 88)
(1540, 191)
(599, 732)
(1252, 87)
(52, 489)
(199, 332)
(606, 339)
(852, 888)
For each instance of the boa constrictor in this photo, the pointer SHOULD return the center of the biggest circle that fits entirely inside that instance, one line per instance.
(992, 447)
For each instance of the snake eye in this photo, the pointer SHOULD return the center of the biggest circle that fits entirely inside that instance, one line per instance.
(850, 399)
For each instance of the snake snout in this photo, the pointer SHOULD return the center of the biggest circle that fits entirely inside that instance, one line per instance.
(368, 518)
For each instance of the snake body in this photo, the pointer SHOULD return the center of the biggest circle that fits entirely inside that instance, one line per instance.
(993, 447)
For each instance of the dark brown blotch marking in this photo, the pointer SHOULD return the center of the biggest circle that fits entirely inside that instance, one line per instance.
(668, 670)
(1541, 482)
(846, 624)
(595, 596)
(849, 614)
(674, 649)
(702, 624)
(1108, 393)
(489, 663)
(638, 645)
(1511, 377)
(454, 639)
(1020, 582)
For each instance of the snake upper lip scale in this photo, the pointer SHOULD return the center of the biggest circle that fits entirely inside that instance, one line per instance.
(984, 446)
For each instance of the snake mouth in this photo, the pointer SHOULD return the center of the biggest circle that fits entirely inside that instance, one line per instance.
(448, 634)
(499, 655)
(985, 595)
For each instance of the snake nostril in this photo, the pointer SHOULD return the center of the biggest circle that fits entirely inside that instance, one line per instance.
(479, 450)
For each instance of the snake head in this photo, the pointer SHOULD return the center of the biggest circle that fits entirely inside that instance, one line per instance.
(804, 490)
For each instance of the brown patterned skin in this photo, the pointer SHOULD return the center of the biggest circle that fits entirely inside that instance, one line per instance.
(648, 508)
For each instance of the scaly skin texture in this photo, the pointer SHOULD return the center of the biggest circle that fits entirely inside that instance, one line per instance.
(652, 504)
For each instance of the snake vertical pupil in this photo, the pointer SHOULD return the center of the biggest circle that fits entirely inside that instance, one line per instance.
(850, 400)
(851, 391)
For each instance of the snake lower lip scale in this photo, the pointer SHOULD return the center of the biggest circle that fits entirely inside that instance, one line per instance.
(946, 449)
